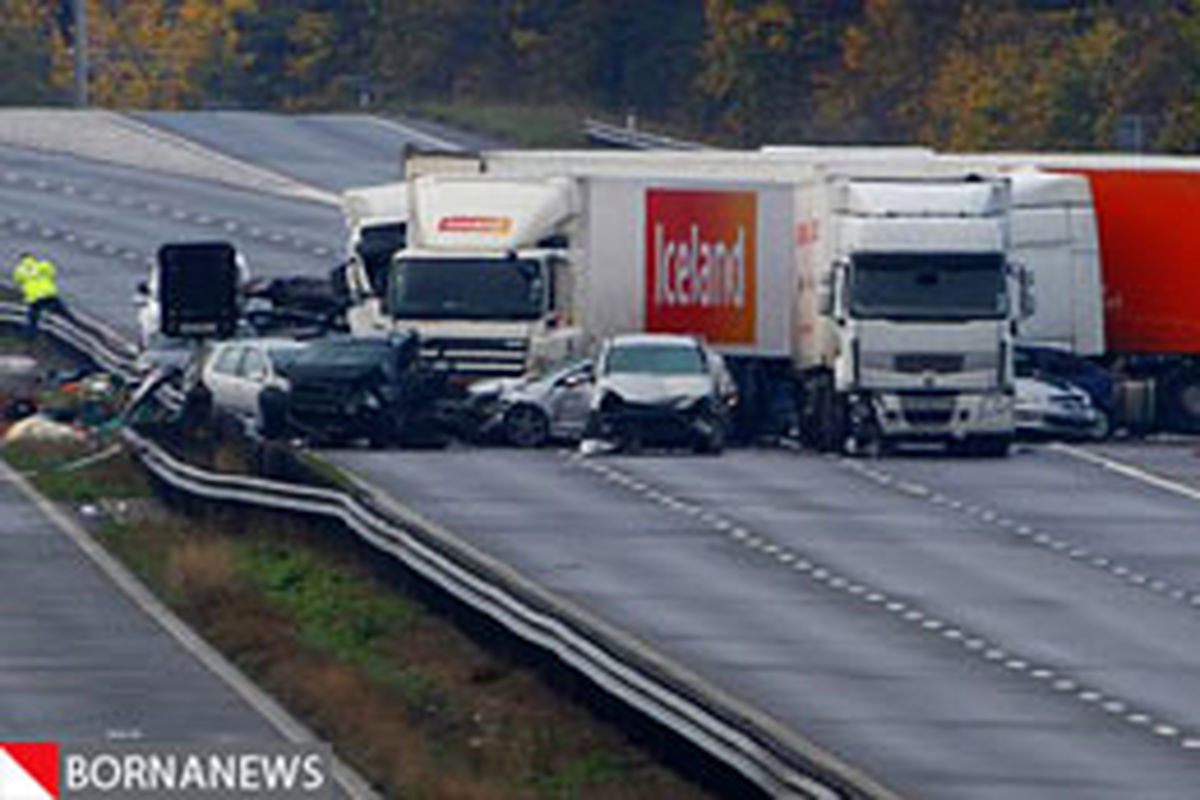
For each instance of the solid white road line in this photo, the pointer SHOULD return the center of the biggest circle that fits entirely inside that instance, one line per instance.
(1128, 470)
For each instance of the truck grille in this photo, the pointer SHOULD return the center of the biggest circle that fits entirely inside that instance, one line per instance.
(927, 410)
(941, 363)
(477, 357)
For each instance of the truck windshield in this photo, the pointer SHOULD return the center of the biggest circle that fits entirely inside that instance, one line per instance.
(376, 246)
(467, 288)
(934, 286)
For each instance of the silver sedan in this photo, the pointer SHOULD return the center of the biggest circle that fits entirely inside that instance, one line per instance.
(534, 410)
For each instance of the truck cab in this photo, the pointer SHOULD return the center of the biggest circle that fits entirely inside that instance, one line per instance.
(914, 308)
(484, 278)
(377, 222)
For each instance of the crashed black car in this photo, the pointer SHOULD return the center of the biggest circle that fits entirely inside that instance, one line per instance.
(347, 389)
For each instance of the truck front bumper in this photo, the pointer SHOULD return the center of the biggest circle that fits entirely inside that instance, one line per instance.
(941, 416)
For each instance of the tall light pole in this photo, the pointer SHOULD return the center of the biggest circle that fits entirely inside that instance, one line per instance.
(81, 54)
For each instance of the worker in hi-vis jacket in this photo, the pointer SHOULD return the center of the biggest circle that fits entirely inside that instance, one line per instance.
(35, 277)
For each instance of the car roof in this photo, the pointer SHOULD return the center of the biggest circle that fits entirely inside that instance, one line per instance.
(643, 339)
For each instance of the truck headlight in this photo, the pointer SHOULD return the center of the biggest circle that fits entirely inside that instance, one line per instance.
(995, 405)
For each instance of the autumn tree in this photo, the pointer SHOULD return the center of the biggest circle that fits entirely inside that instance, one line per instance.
(745, 53)
(888, 56)
(307, 54)
(30, 39)
(153, 54)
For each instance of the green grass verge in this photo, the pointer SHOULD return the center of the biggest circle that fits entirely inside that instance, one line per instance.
(517, 125)
(337, 611)
(51, 466)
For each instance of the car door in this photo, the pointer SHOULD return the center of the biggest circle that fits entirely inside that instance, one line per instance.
(221, 376)
(570, 399)
(252, 374)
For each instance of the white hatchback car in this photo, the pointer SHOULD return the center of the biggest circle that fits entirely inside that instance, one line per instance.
(237, 372)
(660, 389)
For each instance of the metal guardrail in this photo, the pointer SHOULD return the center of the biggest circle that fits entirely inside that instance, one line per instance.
(87, 336)
(765, 753)
(629, 138)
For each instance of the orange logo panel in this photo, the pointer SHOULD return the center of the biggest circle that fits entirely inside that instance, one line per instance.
(493, 225)
(701, 256)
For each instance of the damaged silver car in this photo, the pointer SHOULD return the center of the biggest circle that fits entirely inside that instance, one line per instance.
(533, 410)
(660, 390)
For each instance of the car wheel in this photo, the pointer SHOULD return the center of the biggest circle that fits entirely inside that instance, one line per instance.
(272, 413)
(711, 443)
(197, 411)
(526, 426)
(1102, 429)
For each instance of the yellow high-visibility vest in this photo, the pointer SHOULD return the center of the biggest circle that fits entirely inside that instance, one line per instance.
(35, 277)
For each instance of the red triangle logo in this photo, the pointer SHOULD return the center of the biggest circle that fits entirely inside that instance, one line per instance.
(39, 760)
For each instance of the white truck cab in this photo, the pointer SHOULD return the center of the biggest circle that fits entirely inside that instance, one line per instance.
(908, 310)
(483, 278)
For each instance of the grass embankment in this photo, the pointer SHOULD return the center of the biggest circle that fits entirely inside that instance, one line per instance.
(516, 125)
(417, 705)
(539, 126)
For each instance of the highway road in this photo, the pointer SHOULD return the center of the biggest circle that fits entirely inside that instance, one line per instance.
(103, 223)
(332, 151)
(956, 628)
(872, 606)
(80, 662)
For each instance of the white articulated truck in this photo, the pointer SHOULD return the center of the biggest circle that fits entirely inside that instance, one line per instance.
(503, 274)
(905, 310)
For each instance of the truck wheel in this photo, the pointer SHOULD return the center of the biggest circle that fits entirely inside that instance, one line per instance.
(831, 437)
(1182, 402)
(526, 426)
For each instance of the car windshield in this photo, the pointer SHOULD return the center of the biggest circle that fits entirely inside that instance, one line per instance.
(948, 286)
(467, 288)
(655, 359)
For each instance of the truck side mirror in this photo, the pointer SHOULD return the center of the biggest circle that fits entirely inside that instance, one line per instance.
(825, 297)
(1028, 297)
(827, 290)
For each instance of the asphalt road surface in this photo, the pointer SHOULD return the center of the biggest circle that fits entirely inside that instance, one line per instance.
(872, 606)
(331, 151)
(79, 662)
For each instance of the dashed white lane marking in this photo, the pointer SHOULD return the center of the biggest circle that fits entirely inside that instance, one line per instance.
(1122, 572)
(906, 612)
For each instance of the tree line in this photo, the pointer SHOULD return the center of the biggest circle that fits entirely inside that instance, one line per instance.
(965, 74)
